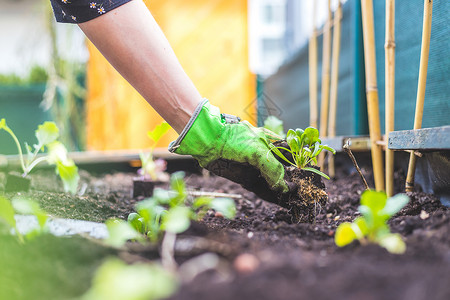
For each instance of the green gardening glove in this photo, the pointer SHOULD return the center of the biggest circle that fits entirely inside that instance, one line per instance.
(234, 150)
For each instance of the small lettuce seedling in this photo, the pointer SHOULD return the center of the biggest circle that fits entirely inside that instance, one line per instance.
(372, 227)
(167, 210)
(154, 169)
(275, 125)
(305, 146)
(47, 135)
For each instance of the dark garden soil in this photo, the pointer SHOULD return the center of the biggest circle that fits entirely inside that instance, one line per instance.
(264, 255)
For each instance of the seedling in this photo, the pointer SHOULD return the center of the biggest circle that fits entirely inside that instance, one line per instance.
(115, 279)
(154, 169)
(372, 227)
(305, 146)
(24, 206)
(47, 135)
(275, 125)
(167, 210)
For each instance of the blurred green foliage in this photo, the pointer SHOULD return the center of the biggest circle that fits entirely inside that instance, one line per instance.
(37, 75)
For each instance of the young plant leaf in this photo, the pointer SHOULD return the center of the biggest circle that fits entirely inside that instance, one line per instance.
(292, 140)
(224, 205)
(316, 171)
(47, 133)
(276, 151)
(311, 135)
(326, 147)
(137, 222)
(395, 204)
(29, 207)
(116, 280)
(7, 210)
(299, 132)
(120, 232)
(344, 234)
(69, 176)
(161, 196)
(374, 200)
(177, 183)
(156, 134)
(275, 125)
(201, 201)
(177, 220)
(393, 243)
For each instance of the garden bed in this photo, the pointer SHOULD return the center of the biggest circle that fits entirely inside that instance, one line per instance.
(285, 261)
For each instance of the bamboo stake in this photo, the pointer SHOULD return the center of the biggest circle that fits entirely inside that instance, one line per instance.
(313, 71)
(389, 92)
(426, 33)
(325, 80)
(372, 92)
(334, 82)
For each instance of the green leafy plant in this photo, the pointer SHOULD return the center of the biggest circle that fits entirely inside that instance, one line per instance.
(154, 169)
(47, 135)
(372, 227)
(275, 125)
(23, 206)
(305, 146)
(114, 279)
(167, 210)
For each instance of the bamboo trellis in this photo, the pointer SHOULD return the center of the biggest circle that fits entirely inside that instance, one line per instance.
(372, 92)
(325, 90)
(313, 71)
(389, 91)
(334, 82)
(426, 34)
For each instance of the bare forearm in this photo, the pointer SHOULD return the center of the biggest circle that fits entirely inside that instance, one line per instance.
(133, 43)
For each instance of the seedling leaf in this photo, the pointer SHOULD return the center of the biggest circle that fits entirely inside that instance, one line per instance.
(274, 124)
(201, 201)
(344, 234)
(374, 200)
(29, 207)
(47, 133)
(117, 280)
(372, 226)
(137, 222)
(393, 243)
(69, 176)
(120, 232)
(311, 135)
(7, 210)
(224, 205)
(156, 134)
(395, 204)
(316, 171)
(177, 220)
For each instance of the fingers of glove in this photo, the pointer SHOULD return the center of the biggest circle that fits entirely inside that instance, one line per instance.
(263, 132)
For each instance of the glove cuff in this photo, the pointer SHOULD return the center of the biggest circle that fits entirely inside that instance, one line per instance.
(175, 144)
(204, 129)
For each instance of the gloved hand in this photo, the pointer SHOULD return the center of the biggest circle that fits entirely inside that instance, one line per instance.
(234, 150)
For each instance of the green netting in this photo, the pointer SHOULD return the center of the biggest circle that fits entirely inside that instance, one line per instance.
(288, 89)
(19, 105)
(408, 35)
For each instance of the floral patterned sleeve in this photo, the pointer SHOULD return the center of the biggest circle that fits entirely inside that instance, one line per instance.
(79, 11)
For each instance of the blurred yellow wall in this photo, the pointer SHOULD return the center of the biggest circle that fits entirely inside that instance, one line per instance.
(210, 40)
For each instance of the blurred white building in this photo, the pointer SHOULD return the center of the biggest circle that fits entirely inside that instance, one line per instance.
(25, 40)
(278, 28)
